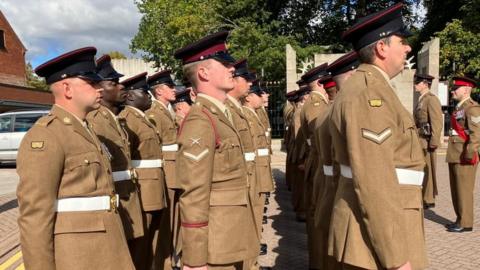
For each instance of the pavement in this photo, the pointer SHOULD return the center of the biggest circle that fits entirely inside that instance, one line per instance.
(286, 238)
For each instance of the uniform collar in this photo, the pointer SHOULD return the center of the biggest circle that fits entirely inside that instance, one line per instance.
(422, 95)
(384, 74)
(253, 111)
(82, 122)
(215, 102)
(461, 102)
(137, 110)
(324, 98)
(234, 101)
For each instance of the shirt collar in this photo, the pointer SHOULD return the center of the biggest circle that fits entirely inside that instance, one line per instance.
(385, 75)
(215, 101)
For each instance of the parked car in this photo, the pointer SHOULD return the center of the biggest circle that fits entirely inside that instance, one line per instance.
(13, 126)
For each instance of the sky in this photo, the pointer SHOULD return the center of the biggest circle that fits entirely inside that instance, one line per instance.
(48, 28)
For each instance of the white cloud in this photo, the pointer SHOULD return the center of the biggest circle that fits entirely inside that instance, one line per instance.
(51, 27)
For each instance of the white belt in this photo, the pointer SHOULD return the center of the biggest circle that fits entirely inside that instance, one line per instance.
(147, 163)
(77, 204)
(309, 142)
(267, 133)
(250, 156)
(328, 170)
(453, 132)
(404, 176)
(262, 152)
(122, 175)
(170, 148)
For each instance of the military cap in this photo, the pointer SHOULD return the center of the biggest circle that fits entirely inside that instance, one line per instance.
(183, 96)
(186, 82)
(241, 70)
(162, 77)
(316, 73)
(347, 62)
(256, 88)
(423, 77)
(105, 69)
(210, 47)
(301, 82)
(329, 84)
(376, 26)
(138, 81)
(79, 63)
(463, 81)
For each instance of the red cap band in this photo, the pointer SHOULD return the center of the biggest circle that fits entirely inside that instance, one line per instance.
(329, 84)
(208, 51)
(463, 83)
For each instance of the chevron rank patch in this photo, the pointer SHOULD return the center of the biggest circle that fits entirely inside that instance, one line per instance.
(37, 145)
(197, 157)
(475, 119)
(375, 102)
(375, 137)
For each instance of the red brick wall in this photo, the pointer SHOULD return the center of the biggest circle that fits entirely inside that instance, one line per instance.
(23, 94)
(12, 58)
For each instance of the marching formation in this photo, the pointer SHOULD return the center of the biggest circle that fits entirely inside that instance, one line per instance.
(140, 173)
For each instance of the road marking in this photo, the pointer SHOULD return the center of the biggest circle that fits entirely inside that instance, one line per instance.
(11, 260)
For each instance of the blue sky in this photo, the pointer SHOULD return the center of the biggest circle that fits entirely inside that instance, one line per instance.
(48, 28)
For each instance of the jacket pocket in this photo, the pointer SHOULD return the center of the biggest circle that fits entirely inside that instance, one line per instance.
(81, 173)
(79, 223)
(228, 197)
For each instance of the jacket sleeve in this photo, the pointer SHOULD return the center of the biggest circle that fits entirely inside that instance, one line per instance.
(194, 171)
(473, 124)
(40, 165)
(371, 135)
(436, 120)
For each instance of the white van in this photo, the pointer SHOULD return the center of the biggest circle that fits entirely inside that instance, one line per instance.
(13, 126)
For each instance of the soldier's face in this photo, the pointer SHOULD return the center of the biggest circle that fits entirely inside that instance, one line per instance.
(242, 85)
(264, 97)
(395, 54)
(86, 94)
(113, 92)
(420, 86)
(460, 93)
(139, 99)
(221, 75)
(166, 91)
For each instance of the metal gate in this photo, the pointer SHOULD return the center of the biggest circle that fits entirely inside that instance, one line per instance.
(275, 106)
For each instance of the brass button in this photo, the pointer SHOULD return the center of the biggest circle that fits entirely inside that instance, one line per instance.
(86, 161)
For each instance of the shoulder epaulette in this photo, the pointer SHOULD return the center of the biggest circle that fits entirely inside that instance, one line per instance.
(45, 120)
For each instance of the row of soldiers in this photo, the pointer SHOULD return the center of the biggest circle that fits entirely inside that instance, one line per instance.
(361, 169)
(133, 175)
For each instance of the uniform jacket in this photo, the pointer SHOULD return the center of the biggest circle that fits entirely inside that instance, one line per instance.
(262, 162)
(60, 158)
(165, 124)
(263, 114)
(145, 144)
(429, 110)
(376, 221)
(215, 210)
(468, 116)
(111, 134)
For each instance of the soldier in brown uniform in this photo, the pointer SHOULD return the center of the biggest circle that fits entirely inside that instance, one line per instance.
(182, 105)
(68, 216)
(215, 207)
(288, 112)
(263, 114)
(328, 170)
(462, 153)
(262, 153)
(429, 121)
(147, 159)
(109, 132)
(162, 116)
(315, 106)
(377, 219)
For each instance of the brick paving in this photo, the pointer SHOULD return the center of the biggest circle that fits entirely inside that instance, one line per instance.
(286, 238)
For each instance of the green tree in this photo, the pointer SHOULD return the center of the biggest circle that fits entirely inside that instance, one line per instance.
(33, 80)
(116, 55)
(459, 51)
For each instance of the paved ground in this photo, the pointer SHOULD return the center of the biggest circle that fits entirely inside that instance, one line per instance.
(286, 238)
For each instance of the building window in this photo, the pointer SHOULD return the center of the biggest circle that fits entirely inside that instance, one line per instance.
(2, 39)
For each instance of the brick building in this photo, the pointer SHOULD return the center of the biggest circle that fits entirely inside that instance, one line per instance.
(14, 92)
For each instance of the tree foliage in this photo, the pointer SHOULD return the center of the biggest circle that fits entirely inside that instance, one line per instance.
(33, 80)
(116, 55)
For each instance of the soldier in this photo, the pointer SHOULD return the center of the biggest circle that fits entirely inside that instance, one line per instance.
(182, 105)
(327, 173)
(331, 89)
(315, 106)
(265, 184)
(377, 219)
(216, 212)
(462, 153)
(297, 172)
(105, 124)
(263, 114)
(288, 112)
(147, 159)
(242, 83)
(162, 116)
(67, 202)
(429, 121)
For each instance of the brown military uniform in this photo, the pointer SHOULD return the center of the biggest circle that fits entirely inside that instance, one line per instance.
(245, 132)
(263, 115)
(164, 121)
(315, 106)
(288, 142)
(59, 158)
(110, 133)
(298, 155)
(429, 121)
(462, 173)
(145, 148)
(216, 212)
(377, 219)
